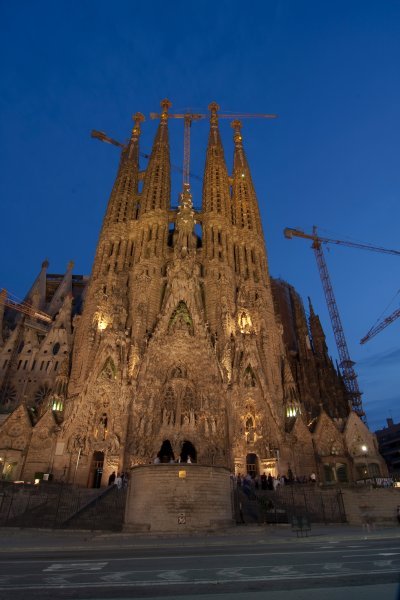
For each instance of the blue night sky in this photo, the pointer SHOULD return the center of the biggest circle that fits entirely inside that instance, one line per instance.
(329, 69)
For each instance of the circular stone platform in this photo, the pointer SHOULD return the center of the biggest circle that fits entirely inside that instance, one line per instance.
(178, 498)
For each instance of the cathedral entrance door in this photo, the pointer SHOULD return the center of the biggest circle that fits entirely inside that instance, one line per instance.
(188, 450)
(252, 465)
(96, 472)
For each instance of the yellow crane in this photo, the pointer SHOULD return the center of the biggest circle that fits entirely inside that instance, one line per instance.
(189, 117)
(23, 307)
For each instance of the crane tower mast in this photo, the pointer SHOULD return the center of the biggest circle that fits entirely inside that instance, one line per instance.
(346, 364)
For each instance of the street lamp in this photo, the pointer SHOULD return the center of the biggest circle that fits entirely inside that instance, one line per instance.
(364, 450)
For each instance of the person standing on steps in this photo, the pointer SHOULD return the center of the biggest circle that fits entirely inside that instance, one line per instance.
(118, 481)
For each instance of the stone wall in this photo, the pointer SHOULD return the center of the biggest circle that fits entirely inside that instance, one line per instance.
(366, 505)
(178, 498)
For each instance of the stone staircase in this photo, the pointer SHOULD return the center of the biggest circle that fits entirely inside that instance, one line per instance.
(285, 504)
(105, 512)
(55, 505)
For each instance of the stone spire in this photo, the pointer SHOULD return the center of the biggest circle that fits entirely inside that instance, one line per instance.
(317, 333)
(217, 238)
(37, 294)
(216, 197)
(106, 295)
(157, 181)
(250, 255)
(63, 290)
(121, 204)
(244, 200)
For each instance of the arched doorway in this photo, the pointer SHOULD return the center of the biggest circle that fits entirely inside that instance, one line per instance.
(96, 472)
(252, 465)
(188, 450)
(166, 454)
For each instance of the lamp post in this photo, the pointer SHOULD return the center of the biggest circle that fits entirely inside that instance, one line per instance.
(364, 450)
(77, 464)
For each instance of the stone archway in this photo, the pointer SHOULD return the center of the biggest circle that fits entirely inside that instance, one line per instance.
(188, 450)
(166, 454)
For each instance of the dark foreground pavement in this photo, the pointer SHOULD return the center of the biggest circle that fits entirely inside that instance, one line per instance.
(252, 562)
(38, 540)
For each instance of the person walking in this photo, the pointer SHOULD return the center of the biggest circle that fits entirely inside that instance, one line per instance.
(118, 481)
(111, 479)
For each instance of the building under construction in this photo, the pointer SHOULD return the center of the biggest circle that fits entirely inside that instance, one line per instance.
(179, 344)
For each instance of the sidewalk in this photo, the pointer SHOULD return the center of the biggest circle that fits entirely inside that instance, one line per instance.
(39, 540)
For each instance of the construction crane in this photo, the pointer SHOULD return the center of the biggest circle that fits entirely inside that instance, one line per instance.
(28, 310)
(103, 137)
(380, 326)
(23, 307)
(346, 364)
(289, 233)
(189, 117)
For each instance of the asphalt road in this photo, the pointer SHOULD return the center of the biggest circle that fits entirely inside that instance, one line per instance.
(347, 569)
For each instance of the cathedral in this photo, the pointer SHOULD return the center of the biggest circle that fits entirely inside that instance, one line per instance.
(179, 346)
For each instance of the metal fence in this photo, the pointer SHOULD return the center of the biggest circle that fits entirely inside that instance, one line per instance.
(58, 505)
(286, 503)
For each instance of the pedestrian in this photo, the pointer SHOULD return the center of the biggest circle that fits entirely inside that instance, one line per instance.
(247, 485)
(189, 460)
(118, 481)
(111, 479)
(264, 481)
(398, 514)
(242, 521)
(290, 476)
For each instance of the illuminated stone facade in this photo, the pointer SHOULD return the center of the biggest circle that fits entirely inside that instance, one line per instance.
(184, 346)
